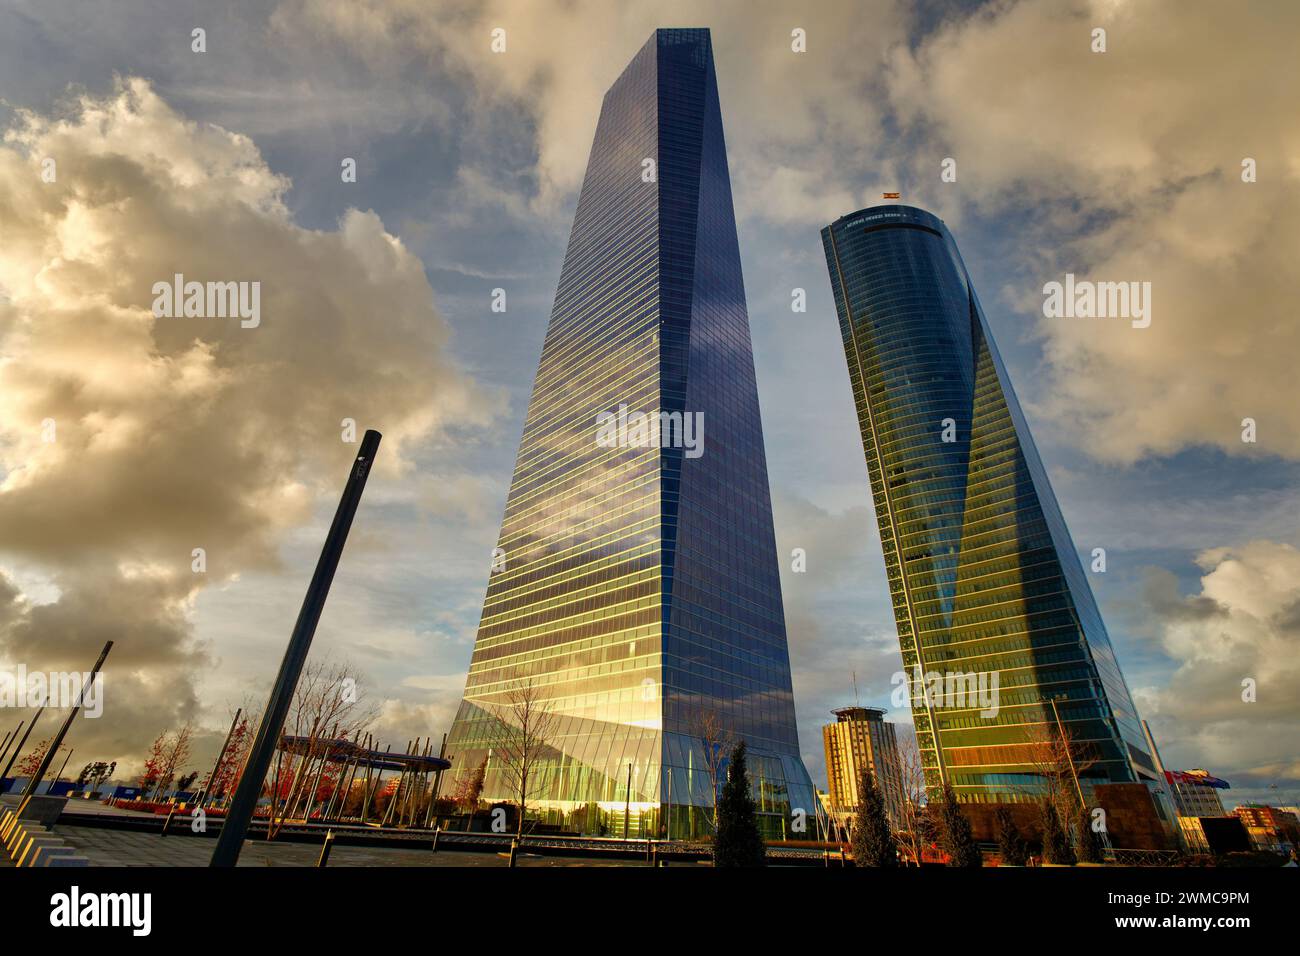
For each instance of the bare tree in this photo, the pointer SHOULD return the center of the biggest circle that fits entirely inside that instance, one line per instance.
(1059, 759)
(913, 823)
(172, 752)
(328, 703)
(717, 742)
(469, 790)
(525, 726)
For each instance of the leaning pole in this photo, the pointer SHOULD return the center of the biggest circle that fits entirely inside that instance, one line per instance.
(57, 742)
(221, 758)
(22, 743)
(231, 839)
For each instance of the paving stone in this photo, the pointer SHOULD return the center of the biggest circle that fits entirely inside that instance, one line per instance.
(44, 855)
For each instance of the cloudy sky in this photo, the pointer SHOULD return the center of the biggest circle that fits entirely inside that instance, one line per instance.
(376, 304)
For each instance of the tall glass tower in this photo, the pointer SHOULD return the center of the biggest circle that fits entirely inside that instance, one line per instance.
(638, 587)
(982, 572)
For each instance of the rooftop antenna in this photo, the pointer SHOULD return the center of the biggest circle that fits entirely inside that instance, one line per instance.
(856, 702)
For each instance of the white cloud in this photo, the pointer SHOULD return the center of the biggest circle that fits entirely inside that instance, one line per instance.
(1244, 623)
(173, 434)
(1125, 166)
(797, 124)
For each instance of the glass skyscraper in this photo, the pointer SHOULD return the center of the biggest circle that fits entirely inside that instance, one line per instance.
(982, 572)
(638, 587)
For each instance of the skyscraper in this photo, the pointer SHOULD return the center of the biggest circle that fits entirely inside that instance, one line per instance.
(984, 577)
(637, 587)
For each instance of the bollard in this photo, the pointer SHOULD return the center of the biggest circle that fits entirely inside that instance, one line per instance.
(514, 850)
(325, 849)
(436, 833)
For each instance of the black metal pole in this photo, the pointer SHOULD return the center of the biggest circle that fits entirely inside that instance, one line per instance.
(63, 731)
(437, 783)
(221, 758)
(12, 739)
(19, 749)
(231, 839)
(61, 769)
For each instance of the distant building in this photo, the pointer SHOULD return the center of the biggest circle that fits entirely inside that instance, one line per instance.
(1196, 793)
(1270, 828)
(861, 738)
(1196, 796)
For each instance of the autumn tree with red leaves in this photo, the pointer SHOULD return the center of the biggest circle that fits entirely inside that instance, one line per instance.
(28, 766)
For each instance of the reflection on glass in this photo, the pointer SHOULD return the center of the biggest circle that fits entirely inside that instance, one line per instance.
(640, 588)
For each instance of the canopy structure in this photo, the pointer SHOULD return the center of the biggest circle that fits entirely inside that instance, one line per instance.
(342, 750)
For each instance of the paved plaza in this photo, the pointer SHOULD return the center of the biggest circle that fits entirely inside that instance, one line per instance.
(109, 847)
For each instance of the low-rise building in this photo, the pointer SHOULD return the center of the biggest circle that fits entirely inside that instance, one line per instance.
(1270, 828)
(1196, 796)
(1196, 793)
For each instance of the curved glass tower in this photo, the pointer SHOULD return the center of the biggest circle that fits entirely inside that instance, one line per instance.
(639, 590)
(982, 571)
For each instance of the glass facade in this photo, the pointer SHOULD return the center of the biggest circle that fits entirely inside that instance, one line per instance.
(983, 575)
(638, 586)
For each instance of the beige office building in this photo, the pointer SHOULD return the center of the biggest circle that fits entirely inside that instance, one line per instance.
(860, 738)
